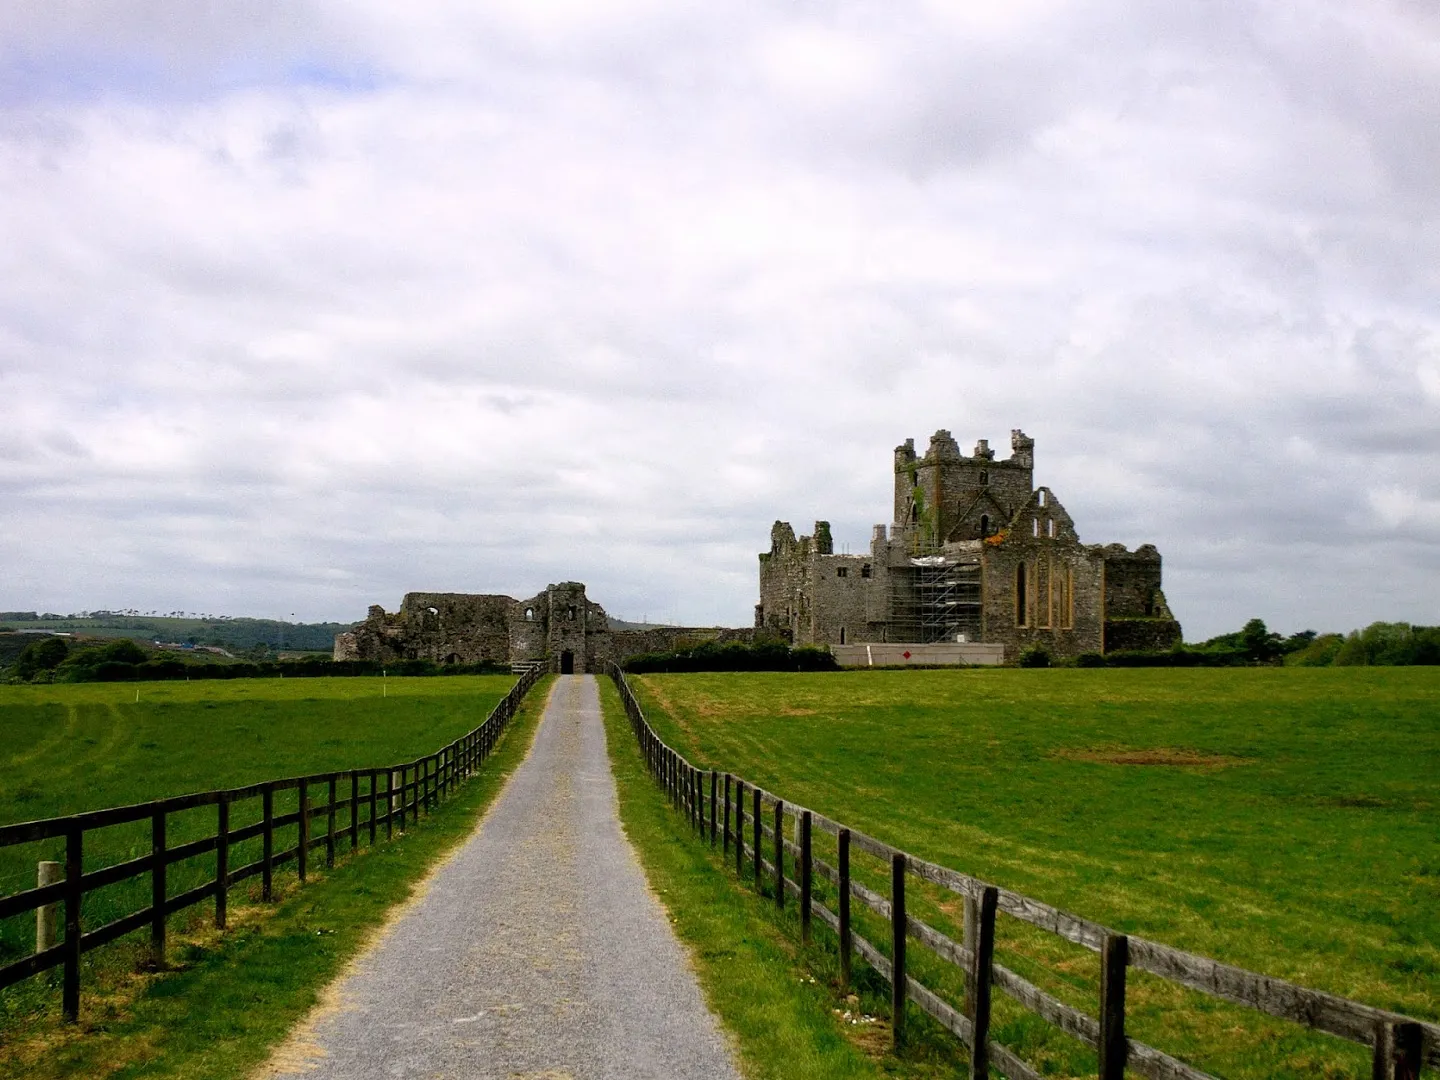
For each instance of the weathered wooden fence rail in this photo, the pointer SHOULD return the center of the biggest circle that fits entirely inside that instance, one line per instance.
(371, 799)
(717, 805)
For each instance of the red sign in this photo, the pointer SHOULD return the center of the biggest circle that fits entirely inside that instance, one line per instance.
(906, 654)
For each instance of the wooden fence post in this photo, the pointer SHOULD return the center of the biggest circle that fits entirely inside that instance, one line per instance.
(978, 984)
(759, 829)
(302, 851)
(330, 827)
(267, 843)
(898, 984)
(158, 888)
(779, 854)
(222, 859)
(1398, 1050)
(370, 798)
(739, 827)
(725, 826)
(805, 877)
(714, 806)
(47, 873)
(847, 940)
(74, 867)
(354, 809)
(1114, 956)
(389, 803)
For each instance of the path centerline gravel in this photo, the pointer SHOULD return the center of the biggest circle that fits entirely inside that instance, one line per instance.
(538, 950)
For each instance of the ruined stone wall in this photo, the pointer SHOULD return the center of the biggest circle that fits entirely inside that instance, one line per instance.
(444, 628)
(627, 643)
(1132, 581)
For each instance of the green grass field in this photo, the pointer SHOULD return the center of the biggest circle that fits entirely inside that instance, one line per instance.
(69, 748)
(226, 999)
(1283, 820)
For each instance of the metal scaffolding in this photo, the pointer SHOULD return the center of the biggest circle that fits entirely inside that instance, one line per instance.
(935, 598)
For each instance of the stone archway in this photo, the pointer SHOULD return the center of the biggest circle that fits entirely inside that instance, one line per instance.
(567, 663)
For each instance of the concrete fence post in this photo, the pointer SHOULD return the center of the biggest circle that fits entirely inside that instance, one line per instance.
(46, 916)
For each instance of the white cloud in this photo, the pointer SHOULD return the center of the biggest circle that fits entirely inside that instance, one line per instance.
(477, 297)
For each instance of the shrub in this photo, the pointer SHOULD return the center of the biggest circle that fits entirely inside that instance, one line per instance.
(1090, 659)
(1035, 657)
(44, 655)
(735, 656)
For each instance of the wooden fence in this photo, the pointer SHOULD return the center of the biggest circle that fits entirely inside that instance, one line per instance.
(371, 800)
(727, 809)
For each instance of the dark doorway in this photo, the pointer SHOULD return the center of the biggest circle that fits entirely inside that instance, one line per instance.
(567, 663)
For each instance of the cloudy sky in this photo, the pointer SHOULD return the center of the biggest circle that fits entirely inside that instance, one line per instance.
(305, 305)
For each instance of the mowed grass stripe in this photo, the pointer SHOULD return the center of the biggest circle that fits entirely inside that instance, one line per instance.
(1281, 820)
(232, 997)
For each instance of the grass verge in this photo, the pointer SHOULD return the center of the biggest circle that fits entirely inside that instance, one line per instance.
(781, 1001)
(226, 999)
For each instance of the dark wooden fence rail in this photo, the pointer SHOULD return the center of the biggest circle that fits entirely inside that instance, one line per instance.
(718, 806)
(389, 797)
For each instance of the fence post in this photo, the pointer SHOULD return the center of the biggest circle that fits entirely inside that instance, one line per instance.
(374, 783)
(330, 828)
(725, 828)
(267, 842)
(806, 883)
(1398, 1049)
(222, 859)
(759, 829)
(847, 940)
(354, 809)
(779, 854)
(302, 851)
(1114, 956)
(74, 866)
(739, 827)
(46, 873)
(389, 804)
(898, 985)
(714, 806)
(982, 971)
(158, 888)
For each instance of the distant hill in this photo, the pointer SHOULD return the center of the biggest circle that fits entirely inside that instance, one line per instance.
(208, 630)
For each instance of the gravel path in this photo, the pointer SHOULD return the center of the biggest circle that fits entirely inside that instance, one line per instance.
(537, 951)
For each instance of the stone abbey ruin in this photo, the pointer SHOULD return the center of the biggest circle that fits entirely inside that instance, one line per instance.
(977, 566)
(976, 556)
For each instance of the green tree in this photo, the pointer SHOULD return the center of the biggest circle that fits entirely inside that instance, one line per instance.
(44, 655)
(1259, 643)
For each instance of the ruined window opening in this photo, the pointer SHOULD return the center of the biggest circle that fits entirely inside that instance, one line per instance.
(984, 478)
(570, 613)
(843, 571)
(842, 635)
(529, 614)
(1035, 523)
(433, 610)
(984, 523)
(1042, 498)
(1067, 601)
(1050, 528)
(1020, 597)
(865, 570)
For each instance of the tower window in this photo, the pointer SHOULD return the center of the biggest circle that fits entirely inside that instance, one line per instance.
(842, 571)
(866, 571)
(1050, 528)
(984, 526)
(984, 478)
(1021, 599)
(842, 635)
(529, 614)
(1035, 523)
